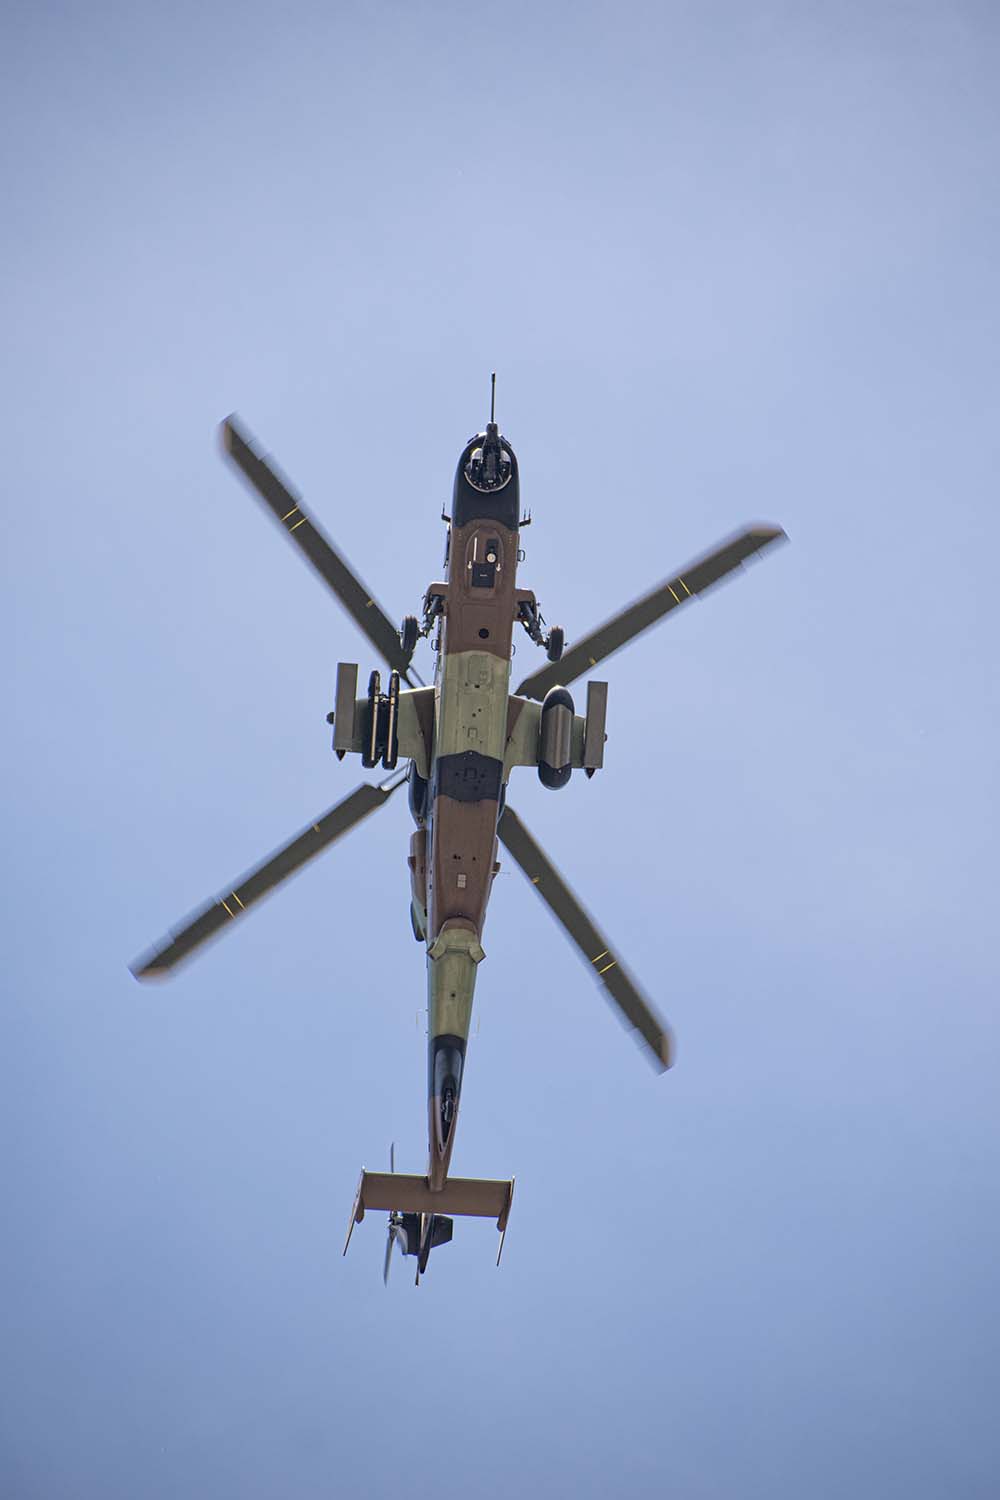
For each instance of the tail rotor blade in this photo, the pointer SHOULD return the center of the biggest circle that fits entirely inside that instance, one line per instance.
(392, 1232)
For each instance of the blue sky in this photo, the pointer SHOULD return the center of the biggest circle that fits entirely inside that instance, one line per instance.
(732, 262)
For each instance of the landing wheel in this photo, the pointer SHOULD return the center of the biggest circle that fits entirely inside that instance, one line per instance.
(410, 633)
(554, 644)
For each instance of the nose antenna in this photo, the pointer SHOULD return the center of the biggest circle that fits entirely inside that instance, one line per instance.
(493, 397)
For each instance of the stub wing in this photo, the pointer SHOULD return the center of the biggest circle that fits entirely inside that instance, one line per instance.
(524, 722)
(352, 721)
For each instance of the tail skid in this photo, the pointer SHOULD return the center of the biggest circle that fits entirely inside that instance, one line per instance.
(396, 1193)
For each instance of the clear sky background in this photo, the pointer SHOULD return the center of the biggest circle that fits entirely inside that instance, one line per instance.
(732, 262)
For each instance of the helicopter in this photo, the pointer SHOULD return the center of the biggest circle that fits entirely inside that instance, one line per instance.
(454, 744)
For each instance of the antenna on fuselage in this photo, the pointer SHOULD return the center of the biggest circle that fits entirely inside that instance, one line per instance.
(493, 397)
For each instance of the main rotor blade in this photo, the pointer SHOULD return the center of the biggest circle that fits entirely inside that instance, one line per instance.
(227, 908)
(287, 508)
(624, 627)
(592, 943)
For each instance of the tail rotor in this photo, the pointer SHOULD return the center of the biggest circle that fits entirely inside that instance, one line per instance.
(395, 1224)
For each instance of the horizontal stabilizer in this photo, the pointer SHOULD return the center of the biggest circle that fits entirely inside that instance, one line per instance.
(396, 1192)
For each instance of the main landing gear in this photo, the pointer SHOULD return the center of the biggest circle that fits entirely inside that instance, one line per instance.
(531, 618)
(409, 633)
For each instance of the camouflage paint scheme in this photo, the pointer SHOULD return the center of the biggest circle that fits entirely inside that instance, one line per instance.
(461, 737)
(478, 606)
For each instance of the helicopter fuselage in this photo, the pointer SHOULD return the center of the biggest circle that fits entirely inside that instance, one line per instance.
(460, 738)
(477, 613)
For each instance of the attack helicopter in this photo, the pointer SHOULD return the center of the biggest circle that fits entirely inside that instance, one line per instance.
(454, 744)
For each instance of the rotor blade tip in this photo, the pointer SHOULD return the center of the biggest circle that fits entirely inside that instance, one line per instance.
(769, 533)
(231, 433)
(147, 972)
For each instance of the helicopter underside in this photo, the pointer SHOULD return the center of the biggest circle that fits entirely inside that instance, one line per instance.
(463, 736)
